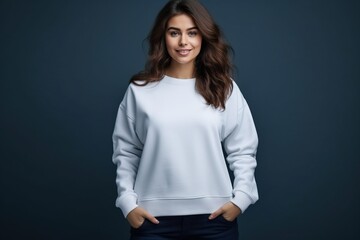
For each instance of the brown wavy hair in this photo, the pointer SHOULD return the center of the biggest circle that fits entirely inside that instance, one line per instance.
(213, 67)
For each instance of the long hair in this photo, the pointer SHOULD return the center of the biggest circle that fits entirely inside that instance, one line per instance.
(213, 67)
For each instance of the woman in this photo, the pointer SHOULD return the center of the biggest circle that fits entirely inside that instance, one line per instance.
(172, 124)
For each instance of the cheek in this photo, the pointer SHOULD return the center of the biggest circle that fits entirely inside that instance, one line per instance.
(197, 42)
(170, 43)
(167, 44)
(200, 43)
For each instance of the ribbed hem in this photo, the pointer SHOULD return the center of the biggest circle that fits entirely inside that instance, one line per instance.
(242, 200)
(126, 203)
(174, 207)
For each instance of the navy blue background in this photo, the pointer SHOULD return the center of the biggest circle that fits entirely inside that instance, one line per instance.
(65, 66)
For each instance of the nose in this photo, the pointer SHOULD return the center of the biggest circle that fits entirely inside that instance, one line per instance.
(183, 40)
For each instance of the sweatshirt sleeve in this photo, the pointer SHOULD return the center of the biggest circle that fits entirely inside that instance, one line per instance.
(240, 143)
(127, 149)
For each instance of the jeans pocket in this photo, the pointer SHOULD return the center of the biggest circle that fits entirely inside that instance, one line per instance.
(141, 226)
(223, 219)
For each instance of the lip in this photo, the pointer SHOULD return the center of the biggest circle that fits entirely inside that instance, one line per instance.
(183, 52)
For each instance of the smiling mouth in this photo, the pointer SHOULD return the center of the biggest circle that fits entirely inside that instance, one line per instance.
(183, 51)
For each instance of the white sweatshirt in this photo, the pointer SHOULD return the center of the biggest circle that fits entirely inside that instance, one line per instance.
(168, 149)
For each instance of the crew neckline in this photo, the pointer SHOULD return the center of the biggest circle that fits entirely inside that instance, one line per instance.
(178, 81)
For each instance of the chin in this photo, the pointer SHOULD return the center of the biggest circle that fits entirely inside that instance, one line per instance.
(183, 61)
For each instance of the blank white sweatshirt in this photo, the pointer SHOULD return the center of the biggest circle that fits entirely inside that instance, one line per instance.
(168, 149)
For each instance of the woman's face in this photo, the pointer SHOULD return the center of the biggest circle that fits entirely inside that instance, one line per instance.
(183, 39)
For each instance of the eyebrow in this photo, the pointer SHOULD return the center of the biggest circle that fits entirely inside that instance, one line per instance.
(178, 29)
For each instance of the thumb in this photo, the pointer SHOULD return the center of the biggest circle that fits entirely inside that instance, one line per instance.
(216, 214)
(150, 217)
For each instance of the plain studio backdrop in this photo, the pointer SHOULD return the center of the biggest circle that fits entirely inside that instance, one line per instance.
(65, 66)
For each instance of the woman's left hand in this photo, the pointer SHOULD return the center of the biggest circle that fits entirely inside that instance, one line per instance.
(229, 211)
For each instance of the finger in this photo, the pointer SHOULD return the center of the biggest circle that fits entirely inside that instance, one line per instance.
(150, 217)
(216, 213)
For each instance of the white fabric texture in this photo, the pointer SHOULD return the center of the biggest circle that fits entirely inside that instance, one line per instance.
(168, 147)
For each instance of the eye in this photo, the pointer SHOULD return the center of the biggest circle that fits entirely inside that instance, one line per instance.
(192, 33)
(174, 33)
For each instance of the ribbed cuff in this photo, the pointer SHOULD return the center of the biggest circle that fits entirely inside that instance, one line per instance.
(126, 203)
(242, 200)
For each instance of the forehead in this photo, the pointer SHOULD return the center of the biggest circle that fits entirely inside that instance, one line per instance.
(181, 21)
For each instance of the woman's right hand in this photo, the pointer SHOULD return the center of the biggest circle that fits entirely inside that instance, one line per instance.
(137, 216)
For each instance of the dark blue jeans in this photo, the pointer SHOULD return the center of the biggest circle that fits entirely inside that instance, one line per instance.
(189, 227)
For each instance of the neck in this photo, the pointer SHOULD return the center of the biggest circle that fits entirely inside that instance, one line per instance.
(178, 70)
